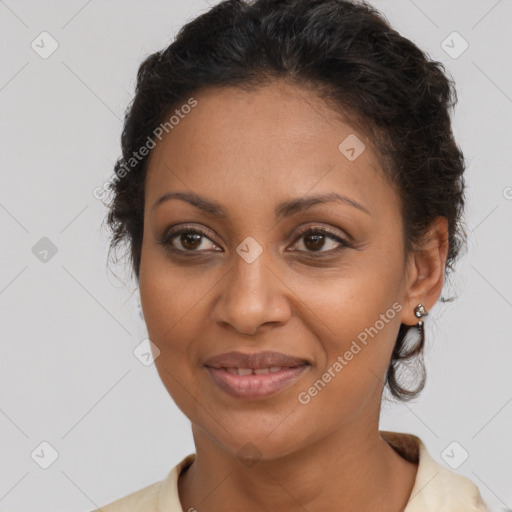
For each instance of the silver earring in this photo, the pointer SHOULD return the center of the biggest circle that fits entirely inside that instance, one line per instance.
(420, 312)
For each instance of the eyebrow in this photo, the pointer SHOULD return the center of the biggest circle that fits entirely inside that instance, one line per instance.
(282, 210)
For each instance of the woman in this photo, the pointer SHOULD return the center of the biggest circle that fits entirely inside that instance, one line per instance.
(291, 195)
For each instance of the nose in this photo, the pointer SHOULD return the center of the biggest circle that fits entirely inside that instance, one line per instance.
(251, 296)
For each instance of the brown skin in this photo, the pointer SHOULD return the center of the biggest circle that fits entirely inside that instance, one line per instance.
(249, 151)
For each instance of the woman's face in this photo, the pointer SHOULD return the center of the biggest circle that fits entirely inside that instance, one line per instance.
(251, 281)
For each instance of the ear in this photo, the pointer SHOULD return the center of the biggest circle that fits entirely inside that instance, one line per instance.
(425, 271)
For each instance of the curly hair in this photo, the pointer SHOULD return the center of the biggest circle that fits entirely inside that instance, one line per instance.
(346, 52)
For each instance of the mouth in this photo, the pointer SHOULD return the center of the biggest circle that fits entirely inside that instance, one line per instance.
(254, 361)
(256, 383)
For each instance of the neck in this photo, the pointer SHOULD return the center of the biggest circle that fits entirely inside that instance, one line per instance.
(354, 468)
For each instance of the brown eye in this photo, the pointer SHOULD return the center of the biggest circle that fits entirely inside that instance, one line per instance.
(314, 242)
(186, 239)
(315, 239)
(190, 240)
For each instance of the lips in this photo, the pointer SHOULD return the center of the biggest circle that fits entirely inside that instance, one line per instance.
(255, 361)
(256, 386)
(255, 376)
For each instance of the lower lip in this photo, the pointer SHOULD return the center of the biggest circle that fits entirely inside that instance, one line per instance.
(256, 386)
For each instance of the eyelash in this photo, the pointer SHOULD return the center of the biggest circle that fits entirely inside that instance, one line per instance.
(168, 238)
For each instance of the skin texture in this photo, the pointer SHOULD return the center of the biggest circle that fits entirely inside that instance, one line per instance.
(249, 151)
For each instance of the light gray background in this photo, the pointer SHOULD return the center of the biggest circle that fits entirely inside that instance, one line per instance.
(68, 375)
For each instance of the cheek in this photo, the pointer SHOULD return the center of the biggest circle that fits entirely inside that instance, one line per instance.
(356, 354)
(171, 308)
(175, 307)
(357, 330)
(356, 318)
(169, 293)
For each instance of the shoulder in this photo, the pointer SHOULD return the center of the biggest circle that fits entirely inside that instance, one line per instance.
(436, 487)
(162, 495)
(144, 499)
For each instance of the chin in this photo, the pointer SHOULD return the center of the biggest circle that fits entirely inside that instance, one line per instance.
(263, 443)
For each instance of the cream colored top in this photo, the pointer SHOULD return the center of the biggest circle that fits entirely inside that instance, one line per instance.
(436, 488)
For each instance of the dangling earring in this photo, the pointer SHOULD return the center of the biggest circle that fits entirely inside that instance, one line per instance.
(420, 312)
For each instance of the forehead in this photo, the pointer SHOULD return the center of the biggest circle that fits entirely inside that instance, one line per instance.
(271, 142)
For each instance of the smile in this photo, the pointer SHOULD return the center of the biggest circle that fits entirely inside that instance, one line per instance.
(248, 383)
